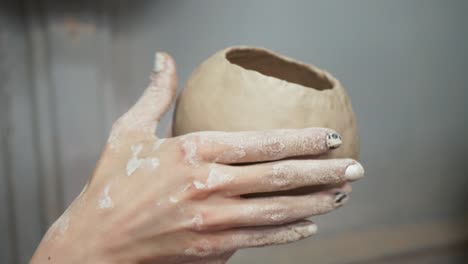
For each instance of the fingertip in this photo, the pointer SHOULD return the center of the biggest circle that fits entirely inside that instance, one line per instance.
(163, 63)
(306, 228)
(333, 139)
(159, 61)
(354, 172)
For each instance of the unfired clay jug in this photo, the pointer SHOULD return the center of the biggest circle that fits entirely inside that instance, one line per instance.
(248, 88)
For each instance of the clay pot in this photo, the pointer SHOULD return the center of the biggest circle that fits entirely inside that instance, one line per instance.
(248, 88)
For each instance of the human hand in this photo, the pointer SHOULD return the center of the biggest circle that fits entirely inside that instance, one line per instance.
(181, 200)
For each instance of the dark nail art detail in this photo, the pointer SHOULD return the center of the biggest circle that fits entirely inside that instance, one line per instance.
(333, 140)
(340, 197)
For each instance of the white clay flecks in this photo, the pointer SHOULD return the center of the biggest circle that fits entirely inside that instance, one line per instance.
(197, 221)
(271, 145)
(273, 213)
(159, 62)
(199, 185)
(282, 174)
(217, 177)
(63, 223)
(190, 150)
(202, 249)
(131, 120)
(113, 139)
(134, 163)
(278, 217)
(158, 143)
(105, 200)
(186, 187)
(274, 237)
(196, 252)
(83, 190)
(295, 173)
(172, 199)
(231, 156)
(153, 163)
(59, 227)
(290, 174)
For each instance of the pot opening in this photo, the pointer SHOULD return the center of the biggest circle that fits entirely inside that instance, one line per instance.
(273, 65)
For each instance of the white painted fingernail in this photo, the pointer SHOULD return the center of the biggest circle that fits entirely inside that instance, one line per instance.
(306, 230)
(333, 140)
(159, 61)
(354, 171)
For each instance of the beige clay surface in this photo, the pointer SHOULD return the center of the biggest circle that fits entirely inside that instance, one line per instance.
(247, 88)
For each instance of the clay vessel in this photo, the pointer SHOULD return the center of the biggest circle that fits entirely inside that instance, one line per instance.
(249, 88)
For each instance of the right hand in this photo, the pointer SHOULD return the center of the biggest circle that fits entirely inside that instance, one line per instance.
(180, 200)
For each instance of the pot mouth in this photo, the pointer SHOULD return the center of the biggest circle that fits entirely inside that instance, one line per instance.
(273, 65)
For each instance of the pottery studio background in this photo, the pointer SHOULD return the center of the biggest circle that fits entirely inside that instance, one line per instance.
(67, 70)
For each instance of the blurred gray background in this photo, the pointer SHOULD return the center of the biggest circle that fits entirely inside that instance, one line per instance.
(67, 70)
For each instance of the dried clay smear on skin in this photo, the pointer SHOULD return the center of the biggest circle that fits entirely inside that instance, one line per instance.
(190, 150)
(129, 120)
(285, 235)
(271, 144)
(59, 227)
(324, 172)
(158, 143)
(105, 200)
(135, 162)
(217, 177)
(133, 120)
(202, 249)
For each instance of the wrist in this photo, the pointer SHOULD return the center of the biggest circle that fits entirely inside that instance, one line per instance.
(68, 248)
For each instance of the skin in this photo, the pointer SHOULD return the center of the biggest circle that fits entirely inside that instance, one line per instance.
(182, 199)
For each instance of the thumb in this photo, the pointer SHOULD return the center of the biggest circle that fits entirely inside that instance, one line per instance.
(157, 98)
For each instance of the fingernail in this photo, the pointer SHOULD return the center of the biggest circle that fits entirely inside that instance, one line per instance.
(306, 230)
(354, 171)
(340, 198)
(159, 61)
(333, 140)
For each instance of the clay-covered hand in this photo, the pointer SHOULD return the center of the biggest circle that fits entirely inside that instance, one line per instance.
(182, 199)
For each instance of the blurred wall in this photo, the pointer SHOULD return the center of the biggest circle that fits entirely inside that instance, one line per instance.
(67, 70)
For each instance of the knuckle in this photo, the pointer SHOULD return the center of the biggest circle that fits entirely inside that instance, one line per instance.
(196, 187)
(202, 220)
(188, 148)
(198, 222)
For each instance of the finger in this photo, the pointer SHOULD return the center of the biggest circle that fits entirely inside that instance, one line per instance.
(255, 146)
(265, 236)
(281, 175)
(217, 244)
(273, 210)
(156, 99)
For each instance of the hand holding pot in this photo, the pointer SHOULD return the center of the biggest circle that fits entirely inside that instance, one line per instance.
(182, 199)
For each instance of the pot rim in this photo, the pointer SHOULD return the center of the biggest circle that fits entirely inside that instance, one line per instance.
(321, 73)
